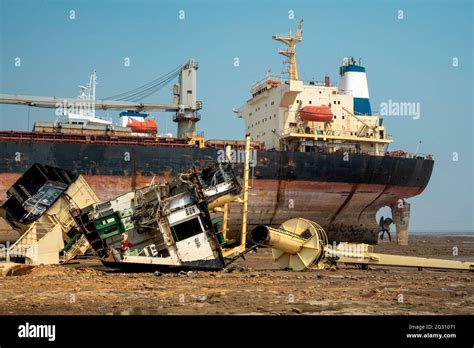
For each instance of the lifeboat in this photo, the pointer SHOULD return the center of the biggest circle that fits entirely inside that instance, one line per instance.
(316, 113)
(148, 126)
(273, 82)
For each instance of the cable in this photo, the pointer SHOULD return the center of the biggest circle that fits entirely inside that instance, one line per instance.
(154, 86)
(148, 91)
(142, 96)
(138, 92)
(155, 82)
(143, 93)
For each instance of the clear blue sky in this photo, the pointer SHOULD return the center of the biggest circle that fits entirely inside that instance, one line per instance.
(406, 60)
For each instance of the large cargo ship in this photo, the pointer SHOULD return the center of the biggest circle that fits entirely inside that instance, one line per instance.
(319, 152)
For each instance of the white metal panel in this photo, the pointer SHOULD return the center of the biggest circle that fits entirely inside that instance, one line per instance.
(180, 200)
(183, 215)
(123, 202)
(151, 260)
(195, 248)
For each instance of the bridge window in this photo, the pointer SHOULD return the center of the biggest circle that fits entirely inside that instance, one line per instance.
(187, 229)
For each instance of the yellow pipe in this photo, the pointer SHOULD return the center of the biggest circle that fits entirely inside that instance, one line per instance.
(278, 239)
(221, 201)
(408, 261)
(224, 221)
(243, 239)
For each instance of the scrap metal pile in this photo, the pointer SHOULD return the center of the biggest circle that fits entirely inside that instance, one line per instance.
(38, 208)
(164, 225)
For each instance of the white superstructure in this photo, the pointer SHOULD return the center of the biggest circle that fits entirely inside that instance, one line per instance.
(83, 112)
(277, 113)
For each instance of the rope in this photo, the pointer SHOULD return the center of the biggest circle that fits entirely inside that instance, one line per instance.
(147, 89)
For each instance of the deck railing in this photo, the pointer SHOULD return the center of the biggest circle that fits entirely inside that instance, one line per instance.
(398, 153)
(316, 131)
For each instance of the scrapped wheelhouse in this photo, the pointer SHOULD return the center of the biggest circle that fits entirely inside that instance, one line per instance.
(163, 226)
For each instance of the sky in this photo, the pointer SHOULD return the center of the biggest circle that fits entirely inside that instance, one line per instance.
(414, 51)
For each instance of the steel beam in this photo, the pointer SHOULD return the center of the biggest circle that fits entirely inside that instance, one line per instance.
(54, 102)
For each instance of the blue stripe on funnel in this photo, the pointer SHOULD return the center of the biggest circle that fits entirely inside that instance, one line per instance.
(362, 106)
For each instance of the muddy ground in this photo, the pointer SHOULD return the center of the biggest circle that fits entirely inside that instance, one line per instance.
(255, 286)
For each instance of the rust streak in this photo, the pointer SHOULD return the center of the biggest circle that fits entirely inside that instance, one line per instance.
(275, 209)
(373, 201)
(346, 201)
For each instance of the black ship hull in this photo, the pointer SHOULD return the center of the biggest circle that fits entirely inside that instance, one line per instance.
(341, 195)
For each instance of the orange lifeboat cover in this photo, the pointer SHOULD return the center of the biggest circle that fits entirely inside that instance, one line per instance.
(148, 126)
(316, 113)
(274, 82)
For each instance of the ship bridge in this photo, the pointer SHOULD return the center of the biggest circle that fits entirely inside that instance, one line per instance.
(291, 115)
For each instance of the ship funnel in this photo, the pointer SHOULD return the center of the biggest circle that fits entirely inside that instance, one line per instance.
(353, 81)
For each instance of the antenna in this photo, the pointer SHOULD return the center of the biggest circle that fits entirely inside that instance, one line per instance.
(92, 85)
(418, 147)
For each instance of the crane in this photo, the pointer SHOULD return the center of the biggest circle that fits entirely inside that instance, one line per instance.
(55, 102)
(184, 103)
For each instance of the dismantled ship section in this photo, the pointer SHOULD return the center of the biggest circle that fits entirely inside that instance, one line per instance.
(163, 226)
(38, 208)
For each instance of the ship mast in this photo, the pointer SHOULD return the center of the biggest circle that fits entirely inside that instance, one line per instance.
(92, 83)
(291, 41)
